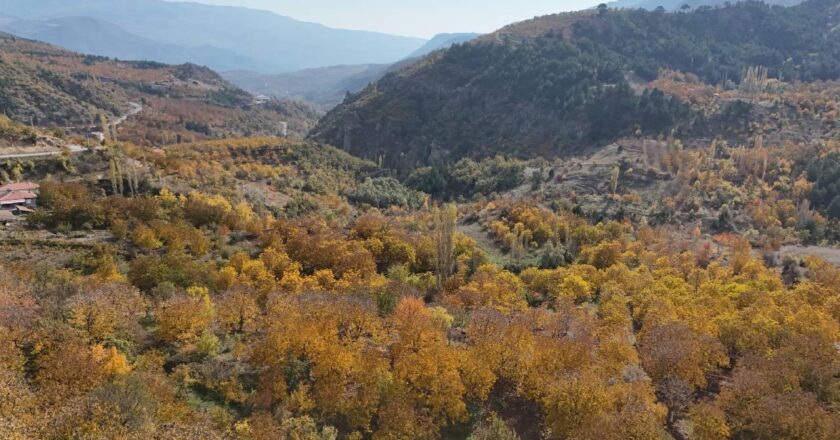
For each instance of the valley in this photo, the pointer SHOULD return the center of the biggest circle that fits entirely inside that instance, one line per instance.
(326, 87)
(615, 223)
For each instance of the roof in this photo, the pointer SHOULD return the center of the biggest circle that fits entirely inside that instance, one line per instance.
(7, 216)
(16, 196)
(24, 209)
(22, 186)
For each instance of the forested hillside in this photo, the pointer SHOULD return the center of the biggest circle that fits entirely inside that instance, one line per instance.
(257, 289)
(557, 84)
(47, 86)
(674, 5)
(608, 225)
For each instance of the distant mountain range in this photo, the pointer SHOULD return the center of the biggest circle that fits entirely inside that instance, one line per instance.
(220, 37)
(326, 87)
(92, 36)
(673, 5)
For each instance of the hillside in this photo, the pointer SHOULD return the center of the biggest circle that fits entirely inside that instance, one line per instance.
(47, 86)
(190, 291)
(661, 262)
(326, 87)
(442, 41)
(558, 84)
(223, 38)
(673, 5)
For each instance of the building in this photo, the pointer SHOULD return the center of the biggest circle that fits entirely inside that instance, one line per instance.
(22, 186)
(19, 198)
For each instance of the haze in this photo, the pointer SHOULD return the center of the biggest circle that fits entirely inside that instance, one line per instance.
(412, 17)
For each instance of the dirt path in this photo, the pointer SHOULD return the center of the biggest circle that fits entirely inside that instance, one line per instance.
(135, 108)
(74, 148)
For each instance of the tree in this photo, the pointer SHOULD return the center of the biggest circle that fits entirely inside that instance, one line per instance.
(104, 125)
(676, 394)
(304, 428)
(237, 311)
(602, 10)
(144, 237)
(491, 287)
(675, 351)
(426, 368)
(109, 310)
(17, 407)
(493, 427)
(708, 422)
(444, 230)
(185, 316)
(69, 368)
(616, 173)
(202, 210)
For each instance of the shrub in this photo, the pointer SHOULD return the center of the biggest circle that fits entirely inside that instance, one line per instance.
(383, 192)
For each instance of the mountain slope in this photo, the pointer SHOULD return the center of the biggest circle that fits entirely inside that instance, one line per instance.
(91, 36)
(559, 83)
(48, 86)
(264, 41)
(443, 41)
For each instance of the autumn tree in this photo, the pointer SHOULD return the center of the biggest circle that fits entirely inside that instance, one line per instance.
(426, 368)
(185, 316)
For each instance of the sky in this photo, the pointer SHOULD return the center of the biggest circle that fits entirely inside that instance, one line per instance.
(417, 18)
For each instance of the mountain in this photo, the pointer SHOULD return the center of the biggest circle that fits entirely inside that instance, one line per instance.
(558, 84)
(190, 32)
(326, 87)
(673, 5)
(154, 103)
(92, 36)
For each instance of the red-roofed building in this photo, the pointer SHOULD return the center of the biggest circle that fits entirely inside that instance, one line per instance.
(15, 198)
(22, 186)
(19, 195)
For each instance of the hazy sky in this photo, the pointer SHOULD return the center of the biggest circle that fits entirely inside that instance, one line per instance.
(421, 18)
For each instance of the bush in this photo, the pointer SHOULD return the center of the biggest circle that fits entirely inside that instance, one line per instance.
(487, 176)
(469, 177)
(383, 192)
(71, 204)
